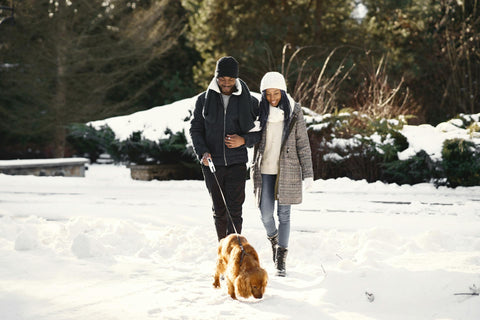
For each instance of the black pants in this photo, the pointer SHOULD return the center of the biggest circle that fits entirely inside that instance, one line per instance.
(232, 181)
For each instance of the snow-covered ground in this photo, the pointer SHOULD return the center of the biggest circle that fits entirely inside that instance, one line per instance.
(109, 247)
(106, 247)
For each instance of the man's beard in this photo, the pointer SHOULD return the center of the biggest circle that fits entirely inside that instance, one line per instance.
(227, 90)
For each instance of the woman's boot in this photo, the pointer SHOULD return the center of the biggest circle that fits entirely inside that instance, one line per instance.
(274, 241)
(280, 261)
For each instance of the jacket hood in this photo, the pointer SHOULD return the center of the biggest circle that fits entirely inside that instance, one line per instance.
(214, 86)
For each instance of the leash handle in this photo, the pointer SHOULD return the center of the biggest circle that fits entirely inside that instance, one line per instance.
(211, 165)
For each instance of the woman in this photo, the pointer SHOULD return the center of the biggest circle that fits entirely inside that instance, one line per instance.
(282, 159)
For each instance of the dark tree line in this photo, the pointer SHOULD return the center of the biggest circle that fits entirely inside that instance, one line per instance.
(69, 61)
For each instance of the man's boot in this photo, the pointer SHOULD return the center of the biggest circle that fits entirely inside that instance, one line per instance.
(280, 261)
(274, 241)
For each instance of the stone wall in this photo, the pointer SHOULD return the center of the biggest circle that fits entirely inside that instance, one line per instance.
(65, 167)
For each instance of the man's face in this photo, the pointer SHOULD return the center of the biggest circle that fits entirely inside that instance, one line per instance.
(226, 84)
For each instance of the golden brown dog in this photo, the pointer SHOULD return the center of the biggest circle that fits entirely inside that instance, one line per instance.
(244, 276)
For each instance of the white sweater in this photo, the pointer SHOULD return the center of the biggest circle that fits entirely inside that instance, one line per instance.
(273, 142)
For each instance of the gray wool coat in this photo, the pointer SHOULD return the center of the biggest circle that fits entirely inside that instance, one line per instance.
(295, 162)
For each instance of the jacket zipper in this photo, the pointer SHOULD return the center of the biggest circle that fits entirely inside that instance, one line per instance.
(224, 128)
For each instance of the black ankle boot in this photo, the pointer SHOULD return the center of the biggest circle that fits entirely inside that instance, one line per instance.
(274, 241)
(280, 261)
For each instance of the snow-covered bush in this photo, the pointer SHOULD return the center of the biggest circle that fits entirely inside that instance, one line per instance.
(90, 142)
(461, 163)
(136, 149)
(351, 144)
(417, 169)
(354, 145)
(170, 150)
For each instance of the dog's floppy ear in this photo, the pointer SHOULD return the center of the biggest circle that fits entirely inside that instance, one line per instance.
(242, 284)
(263, 275)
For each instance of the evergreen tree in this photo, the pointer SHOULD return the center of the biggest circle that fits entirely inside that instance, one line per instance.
(76, 61)
(256, 32)
(435, 46)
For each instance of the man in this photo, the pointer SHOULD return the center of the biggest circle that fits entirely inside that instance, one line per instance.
(223, 116)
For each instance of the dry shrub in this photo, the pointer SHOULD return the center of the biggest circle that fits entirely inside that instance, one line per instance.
(377, 98)
(315, 87)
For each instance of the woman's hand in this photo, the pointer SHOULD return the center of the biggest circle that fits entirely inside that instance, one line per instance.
(234, 141)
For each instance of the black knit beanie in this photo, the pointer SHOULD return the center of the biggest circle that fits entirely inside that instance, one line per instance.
(227, 67)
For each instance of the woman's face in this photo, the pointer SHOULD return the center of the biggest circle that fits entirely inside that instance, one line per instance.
(273, 96)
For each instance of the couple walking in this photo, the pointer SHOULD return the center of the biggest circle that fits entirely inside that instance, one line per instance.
(227, 120)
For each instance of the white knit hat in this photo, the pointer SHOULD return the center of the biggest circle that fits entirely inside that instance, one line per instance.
(273, 80)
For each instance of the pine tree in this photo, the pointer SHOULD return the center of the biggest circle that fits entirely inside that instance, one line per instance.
(76, 61)
(434, 45)
(256, 32)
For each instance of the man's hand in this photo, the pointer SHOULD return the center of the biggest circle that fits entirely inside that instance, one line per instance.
(205, 158)
(234, 141)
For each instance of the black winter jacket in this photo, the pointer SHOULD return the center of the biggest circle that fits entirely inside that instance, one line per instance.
(208, 132)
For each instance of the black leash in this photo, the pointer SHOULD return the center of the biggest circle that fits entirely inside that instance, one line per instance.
(213, 170)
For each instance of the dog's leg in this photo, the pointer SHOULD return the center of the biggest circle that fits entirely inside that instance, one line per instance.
(231, 289)
(216, 281)
(220, 270)
(216, 277)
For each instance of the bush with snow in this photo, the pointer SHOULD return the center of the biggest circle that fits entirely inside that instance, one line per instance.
(351, 144)
(344, 144)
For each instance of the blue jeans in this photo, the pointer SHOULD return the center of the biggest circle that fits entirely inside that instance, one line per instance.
(267, 206)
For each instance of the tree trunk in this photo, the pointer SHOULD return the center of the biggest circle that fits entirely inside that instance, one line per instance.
(60, 98)
(318, 20)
